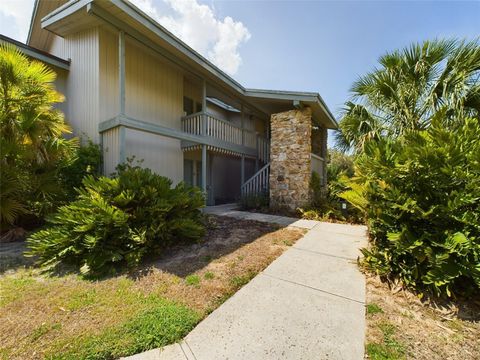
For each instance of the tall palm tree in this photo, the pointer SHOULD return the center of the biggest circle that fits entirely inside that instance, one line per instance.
(31, 133)
(437, 79)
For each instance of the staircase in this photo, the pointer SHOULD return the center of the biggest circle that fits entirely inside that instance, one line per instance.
(258, 183)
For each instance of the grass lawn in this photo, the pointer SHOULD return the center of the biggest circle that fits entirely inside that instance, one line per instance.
(400, 326)
(67, 317)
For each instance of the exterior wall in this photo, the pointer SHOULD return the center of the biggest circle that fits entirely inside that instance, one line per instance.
(290, 160)
(108, 80)
(161, 154)
(153, 93)
(82, 83)
(153, 88)
(111, 150)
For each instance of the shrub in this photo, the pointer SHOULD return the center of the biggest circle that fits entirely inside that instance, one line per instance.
(326, 204)
(421, 195)
(254, 201)
(117, 221)
(32, 145)
(87, 161)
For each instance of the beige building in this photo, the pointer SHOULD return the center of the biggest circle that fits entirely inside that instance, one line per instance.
(136, 89)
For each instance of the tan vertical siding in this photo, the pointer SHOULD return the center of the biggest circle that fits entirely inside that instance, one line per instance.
(154, 93)
(111, 150)
(154, 89)
(82, 84)
(159, 153)
(108, 62)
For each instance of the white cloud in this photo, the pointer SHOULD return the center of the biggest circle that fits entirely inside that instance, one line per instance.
(196, 24)
(20, 11)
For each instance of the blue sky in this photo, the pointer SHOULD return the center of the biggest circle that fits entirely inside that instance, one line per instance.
(324, 46)
(320, 46)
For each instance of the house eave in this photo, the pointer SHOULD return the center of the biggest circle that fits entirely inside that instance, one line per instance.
(37, 54)
(201, 66)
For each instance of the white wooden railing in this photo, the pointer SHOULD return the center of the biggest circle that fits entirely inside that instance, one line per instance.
(258, 183)
(205, 124)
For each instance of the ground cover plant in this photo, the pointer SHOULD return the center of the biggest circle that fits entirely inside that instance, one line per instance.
(114, 222)
(68, 317)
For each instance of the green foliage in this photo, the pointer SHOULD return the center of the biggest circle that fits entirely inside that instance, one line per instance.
(373, 308)
(209, 275)
(421, 195)
(254, 201)
(162, 324)
(411, 88)
(192, 280)
(117, 221)
(390, 348)
(317, 190)
(87, 161)
(326, 203)
(32, 145)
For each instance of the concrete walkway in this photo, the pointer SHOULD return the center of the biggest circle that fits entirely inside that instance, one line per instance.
(308, 304)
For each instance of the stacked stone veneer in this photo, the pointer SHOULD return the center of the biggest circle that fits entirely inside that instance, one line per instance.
(290, 162)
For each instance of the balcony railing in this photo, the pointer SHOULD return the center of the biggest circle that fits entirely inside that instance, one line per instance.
(207, 125)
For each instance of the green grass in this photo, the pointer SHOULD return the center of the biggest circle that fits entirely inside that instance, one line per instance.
(192, 280)
(209, 275)
(82, 299)
(373, 308)
(163, 323)
(44, 329)
(238, 281)
(390, 348)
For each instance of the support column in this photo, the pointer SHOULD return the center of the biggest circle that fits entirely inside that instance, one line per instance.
(242, 171)
(258, 151)
(204, 168)
(121, 70)
(121, 88)
(204, 147)
(290, 159)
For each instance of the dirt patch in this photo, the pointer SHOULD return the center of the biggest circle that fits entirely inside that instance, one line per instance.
(43, 314)
(401, 326)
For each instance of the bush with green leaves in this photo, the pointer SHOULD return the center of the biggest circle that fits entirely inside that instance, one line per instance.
(421, 194)
(32, 143)
(254, 201)
(86, 161)
(115, 222)
(325, 205)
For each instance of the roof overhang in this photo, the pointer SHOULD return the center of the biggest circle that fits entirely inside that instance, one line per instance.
(37, 54)
(123, 15)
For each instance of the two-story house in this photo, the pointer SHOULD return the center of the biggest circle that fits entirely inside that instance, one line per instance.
(136, 89)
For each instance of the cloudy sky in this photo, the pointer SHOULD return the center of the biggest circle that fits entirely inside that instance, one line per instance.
(320, 46)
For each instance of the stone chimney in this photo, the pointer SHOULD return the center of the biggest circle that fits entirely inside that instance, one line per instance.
(290, 161)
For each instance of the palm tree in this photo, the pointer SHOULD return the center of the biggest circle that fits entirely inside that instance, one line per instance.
(437, 79)
(31, 134)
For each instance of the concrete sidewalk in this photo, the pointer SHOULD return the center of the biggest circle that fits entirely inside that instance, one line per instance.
(308, 304)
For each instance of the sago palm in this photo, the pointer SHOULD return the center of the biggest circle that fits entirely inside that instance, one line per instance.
(31, 133)
(411, 87)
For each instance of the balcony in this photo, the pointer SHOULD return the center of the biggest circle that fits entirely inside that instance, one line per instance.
(205, 124)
